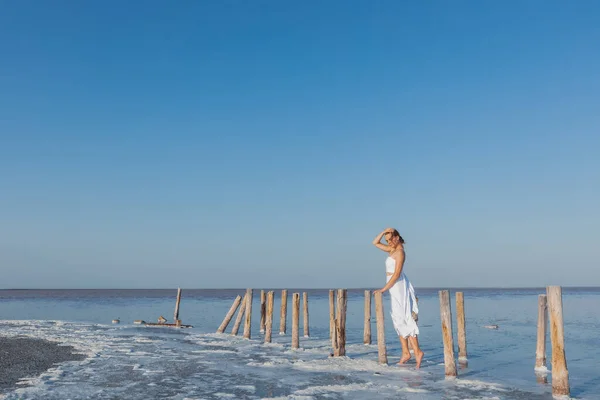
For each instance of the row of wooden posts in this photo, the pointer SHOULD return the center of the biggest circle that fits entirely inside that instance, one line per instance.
(337, 319)
(551, 304)
(337, 325)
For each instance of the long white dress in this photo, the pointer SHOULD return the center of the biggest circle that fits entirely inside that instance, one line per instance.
(403, 302)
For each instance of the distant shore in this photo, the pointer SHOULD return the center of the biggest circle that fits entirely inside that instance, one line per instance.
(27, 358)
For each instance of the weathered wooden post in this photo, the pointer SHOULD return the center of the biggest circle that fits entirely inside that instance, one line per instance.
(332, 318)
(540, 351)
(176, 313)
(305, 310)
(381, 348)
(367, 326)
(340, 323)
(248, 313)
(238, 319)
(460, 325)
(269, 316)
(295, 320)
(229, 315)
(560, 373)
(263, 310)
(446, 317)
(283, 315)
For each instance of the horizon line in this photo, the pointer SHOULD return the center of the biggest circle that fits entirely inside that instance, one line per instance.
(318, 288)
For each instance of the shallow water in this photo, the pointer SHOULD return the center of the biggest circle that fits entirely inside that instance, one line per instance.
(134, 362)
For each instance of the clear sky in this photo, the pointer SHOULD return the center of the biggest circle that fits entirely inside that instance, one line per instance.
(265, 144)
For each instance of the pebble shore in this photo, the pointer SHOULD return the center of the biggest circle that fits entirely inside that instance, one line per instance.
(27, 358)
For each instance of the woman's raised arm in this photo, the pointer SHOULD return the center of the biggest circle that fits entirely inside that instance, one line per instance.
(377, 241)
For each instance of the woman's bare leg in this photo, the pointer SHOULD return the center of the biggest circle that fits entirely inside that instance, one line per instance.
(414, 341)
(405, 352)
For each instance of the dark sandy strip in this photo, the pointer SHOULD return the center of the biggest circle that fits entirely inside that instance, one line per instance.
(27, 358)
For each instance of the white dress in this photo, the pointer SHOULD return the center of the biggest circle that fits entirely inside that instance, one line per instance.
(403, 302)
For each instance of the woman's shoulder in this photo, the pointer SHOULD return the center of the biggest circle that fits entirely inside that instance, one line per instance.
(397, 252)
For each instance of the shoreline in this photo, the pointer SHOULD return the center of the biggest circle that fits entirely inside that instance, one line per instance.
(23, 357)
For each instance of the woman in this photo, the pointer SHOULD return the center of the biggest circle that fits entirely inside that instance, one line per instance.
(404, 305)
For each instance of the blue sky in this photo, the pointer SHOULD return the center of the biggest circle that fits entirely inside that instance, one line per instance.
(264, 144)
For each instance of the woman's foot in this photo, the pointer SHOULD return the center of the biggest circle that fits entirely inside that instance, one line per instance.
(419, 357)
(404, 359)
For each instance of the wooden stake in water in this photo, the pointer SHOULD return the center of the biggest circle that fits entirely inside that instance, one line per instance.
(340, 323)
(238, 319)
(263, 310)
(229, 315)
(381, 348)
(295, 320)
(248, 313)
(540, 351)
(332, 318)
(560, 373)
(305, 322)
(269, 317)
(460, 327)
(446, 317)
(283, 316)
(367, 326)
(176, 313)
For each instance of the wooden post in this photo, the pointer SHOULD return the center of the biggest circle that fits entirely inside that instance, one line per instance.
(340, 323)
(332, 318)
(262, 311)
(367, 330)
(540, 351)
(229, 315)
(560, 373)
(446, 317)
(238, 319)
(460, 327)
(176, 313)
(269, 317)
(283, 316)
(295, 320)
(381, 348)
(248, 313)
(305, 310)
